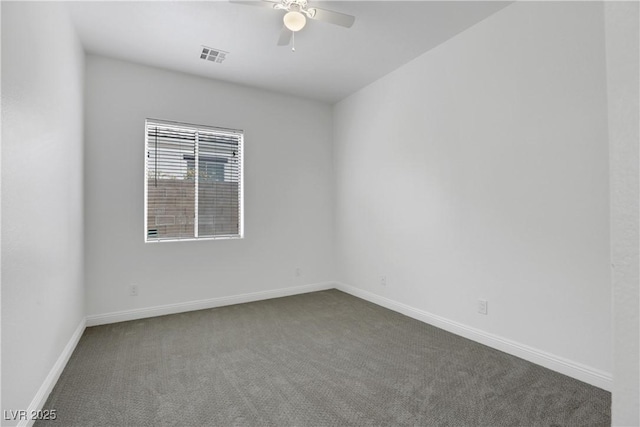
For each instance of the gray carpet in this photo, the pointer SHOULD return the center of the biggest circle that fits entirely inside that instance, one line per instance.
(318, 359)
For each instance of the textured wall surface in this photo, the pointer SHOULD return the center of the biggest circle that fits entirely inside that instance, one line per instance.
(480, 170)
(621, 20)
(42, 219)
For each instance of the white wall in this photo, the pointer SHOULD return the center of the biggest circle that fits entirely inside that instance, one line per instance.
(42, 221)
(288, 199)
(480, 170)
(622, 34)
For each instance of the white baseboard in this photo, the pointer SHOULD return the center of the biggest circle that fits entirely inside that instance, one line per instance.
(45, 389)
(567, 367)
(161, 310)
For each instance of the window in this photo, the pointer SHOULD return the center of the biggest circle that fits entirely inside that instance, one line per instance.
(193, 184)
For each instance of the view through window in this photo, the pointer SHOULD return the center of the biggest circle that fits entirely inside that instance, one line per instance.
(193, 185)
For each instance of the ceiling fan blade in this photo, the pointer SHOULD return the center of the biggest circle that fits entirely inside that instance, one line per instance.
(332, 17)
(260, 3)
(285, 37)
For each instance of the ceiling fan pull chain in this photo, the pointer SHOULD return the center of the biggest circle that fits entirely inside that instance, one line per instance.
(293, 42)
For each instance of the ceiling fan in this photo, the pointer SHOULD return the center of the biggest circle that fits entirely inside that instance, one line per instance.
(296, 17)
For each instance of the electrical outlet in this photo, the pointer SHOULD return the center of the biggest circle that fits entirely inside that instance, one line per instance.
(483, 306)
(133, 290)
(383, 280)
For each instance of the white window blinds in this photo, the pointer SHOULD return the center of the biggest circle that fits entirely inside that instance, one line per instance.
(193, 185)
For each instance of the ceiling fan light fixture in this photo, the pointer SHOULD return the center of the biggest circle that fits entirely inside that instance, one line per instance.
(294, 21)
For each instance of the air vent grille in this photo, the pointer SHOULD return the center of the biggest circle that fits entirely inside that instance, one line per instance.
(213, 55)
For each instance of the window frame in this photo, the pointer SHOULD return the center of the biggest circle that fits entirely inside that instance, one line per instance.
(195, 128)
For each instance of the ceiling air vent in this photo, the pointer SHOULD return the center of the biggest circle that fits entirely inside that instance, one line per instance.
(213, 55)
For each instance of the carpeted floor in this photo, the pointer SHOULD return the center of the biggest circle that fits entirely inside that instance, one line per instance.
(318, 359)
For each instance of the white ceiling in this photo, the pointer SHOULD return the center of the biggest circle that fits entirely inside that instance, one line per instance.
(330, 62)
